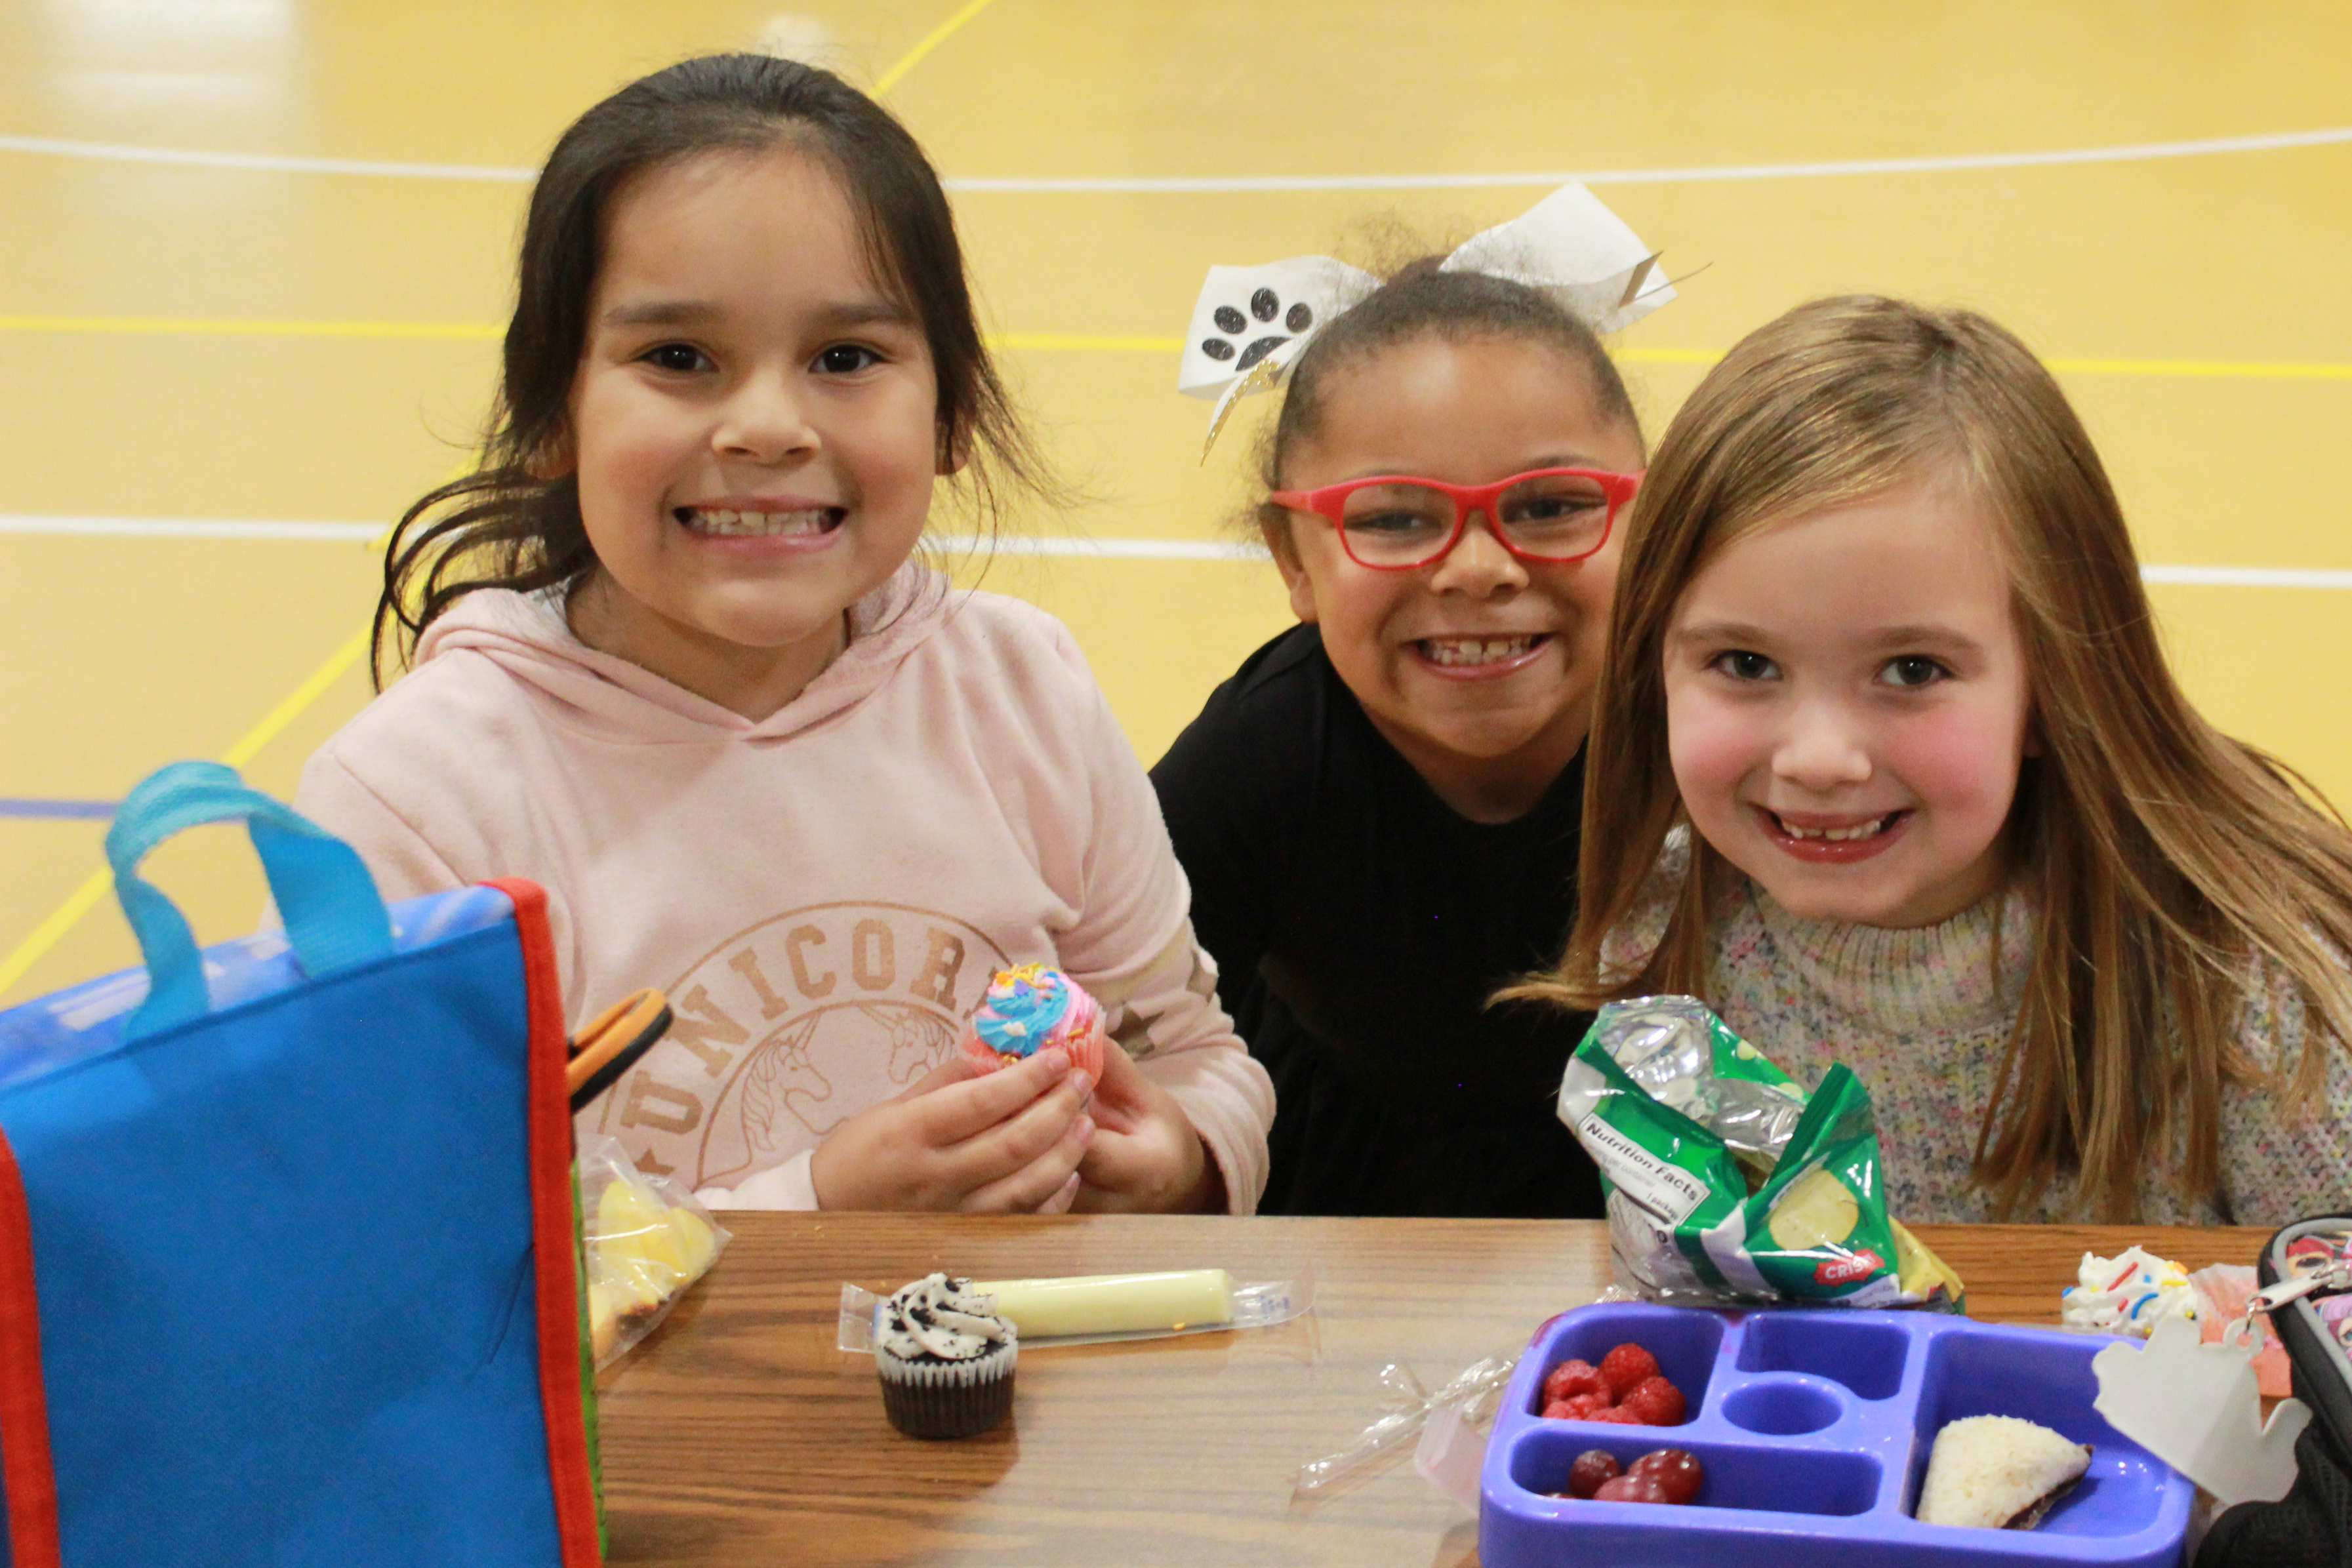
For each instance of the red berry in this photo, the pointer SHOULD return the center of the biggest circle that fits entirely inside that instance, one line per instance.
(1676, 1470)
(1657, 1403)
(1618, 1414)
(1628, 1367)
(1592, 1466)
(1571, 1378)
(1631, 1486)
(1577, 1406)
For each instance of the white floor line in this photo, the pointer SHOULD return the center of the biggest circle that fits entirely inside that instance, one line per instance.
(274, 163)
(2246, 576)
(1073, 545)
(187, 528)
(2271, 142)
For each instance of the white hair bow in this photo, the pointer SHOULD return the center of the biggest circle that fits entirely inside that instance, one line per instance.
(1252, 323)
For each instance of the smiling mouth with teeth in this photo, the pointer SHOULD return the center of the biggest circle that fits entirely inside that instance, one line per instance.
(1457, 652)
(1870, 829)
(721, 523)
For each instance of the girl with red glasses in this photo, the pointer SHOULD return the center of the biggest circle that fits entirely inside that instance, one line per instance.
(1378, 812)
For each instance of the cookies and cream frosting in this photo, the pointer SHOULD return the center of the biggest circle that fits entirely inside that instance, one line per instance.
(941, 1317)
(1031, 1006)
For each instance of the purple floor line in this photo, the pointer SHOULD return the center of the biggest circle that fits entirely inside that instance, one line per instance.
(26, 805)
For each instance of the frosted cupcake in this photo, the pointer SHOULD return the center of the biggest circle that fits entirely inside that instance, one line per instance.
(1030, 1007)
(945, 1358)
(2130, 1293)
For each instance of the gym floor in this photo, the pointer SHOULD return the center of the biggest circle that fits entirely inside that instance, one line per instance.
(255, 257)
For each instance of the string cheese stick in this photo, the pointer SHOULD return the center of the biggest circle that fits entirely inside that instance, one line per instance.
(1113, 1303)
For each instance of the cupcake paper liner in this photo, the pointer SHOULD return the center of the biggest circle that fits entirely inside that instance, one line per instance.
(947, 1398)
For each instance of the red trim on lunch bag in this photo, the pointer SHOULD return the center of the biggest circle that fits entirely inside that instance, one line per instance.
(30, 1477)
(554, 1233)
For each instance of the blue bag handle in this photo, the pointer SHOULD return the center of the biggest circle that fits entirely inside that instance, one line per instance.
(334, 919)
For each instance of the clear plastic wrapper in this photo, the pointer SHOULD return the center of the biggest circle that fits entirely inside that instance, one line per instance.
(647, 1240)
(1465, 1403)
(1097, 1308)
(1727, 1184)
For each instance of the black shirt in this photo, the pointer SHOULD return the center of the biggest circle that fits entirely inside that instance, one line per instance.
(1360, 924)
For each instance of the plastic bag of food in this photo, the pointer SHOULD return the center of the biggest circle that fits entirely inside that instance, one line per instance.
(1727, 1184)
(647, 1240)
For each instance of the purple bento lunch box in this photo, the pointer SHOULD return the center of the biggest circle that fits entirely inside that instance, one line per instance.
(1814, 1428)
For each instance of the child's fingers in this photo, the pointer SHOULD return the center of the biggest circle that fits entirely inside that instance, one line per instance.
(1022, 1138)
(1060, 1202)
(956, 1069)
(1030, 1187)
(959, 1110)
(1123, 1098)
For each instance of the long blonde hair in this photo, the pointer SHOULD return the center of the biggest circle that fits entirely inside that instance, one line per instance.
(2165, 862)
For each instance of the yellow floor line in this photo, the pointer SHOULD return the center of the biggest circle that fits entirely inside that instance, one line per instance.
(1665, 355)
(2199, 368)
(46, 934)
(86, 897)
(929, 41)
(1085, 344)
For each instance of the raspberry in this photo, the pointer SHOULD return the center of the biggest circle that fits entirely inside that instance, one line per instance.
(1627, 1368)
(1591, 1468)
(1676, 1470)
(1577, 1406)
(1657, 1403)
(1618, 1414)
(1632, 1487)
(1571, 1378)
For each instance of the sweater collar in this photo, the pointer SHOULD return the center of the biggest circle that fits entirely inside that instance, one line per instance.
(1941, 979)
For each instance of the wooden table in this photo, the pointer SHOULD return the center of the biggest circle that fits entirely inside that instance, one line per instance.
(738, 1433)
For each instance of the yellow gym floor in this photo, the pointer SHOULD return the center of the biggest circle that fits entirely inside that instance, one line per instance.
(255, 255)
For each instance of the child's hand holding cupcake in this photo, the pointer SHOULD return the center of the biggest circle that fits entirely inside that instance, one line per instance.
(1006, 1127)
(1145, 1156)
(1000, 1142)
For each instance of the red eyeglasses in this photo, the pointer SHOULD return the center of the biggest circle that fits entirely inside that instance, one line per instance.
(1394, 522)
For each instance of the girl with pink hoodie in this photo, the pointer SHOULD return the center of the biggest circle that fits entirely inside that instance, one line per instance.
(670, 657)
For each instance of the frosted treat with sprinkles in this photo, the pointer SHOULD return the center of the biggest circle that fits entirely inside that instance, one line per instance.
(2130, 1293)
(1029, 1009)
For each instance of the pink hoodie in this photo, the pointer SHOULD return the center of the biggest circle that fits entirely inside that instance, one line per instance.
(823, 894)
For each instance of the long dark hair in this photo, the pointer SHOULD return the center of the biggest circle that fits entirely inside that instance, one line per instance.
(501, 525)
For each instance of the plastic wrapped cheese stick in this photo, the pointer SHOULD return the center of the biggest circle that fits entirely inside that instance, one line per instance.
(1085, 1308)
(1114, 1303)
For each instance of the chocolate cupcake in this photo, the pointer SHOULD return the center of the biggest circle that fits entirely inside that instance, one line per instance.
(945, 1359)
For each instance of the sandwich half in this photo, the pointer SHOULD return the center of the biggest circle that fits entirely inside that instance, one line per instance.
(1997, 1472)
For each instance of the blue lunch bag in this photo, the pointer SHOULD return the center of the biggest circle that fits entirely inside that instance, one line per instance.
(288, 1267)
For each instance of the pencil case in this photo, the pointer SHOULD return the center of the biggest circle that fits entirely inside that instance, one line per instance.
(2310, 1527)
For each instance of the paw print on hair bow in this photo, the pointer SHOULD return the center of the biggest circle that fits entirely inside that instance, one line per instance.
(1251, 322)
(1265, 305)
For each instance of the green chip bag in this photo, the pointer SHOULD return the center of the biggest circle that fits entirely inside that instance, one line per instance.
(1726, 1183)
